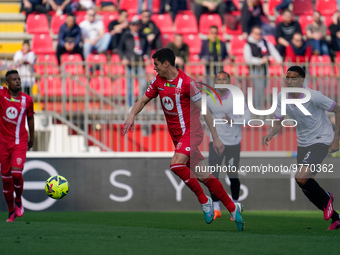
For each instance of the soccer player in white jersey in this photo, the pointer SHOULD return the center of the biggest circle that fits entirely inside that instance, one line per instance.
(180, 99)
(315, 139)
(230, 135)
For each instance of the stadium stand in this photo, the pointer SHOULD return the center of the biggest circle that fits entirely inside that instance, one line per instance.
(37, 24)
(302, 7)
(326, 7)
(56, 22)
(208, 20)
(186, 23)
(42, 44)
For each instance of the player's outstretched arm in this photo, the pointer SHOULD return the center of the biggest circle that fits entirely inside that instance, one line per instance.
(30, 122)
(273, 131)
(217, 143)
(334, 146)
(138, 106)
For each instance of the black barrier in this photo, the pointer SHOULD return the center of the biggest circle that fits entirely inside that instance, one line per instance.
(147, 184)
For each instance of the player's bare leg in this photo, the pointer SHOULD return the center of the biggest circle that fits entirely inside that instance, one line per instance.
(216, 187)
(18, 183)
(318, 196)
(178, 166)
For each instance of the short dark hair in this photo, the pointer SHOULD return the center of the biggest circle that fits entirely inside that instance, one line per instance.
(9, 72)
(228, 75)
(254, 27)
(121, 11)
(287, 10)
(297, 69)
(165, 54)
(213, 27)
(26, 42)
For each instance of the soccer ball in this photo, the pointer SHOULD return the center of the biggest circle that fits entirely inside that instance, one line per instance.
(56, 187)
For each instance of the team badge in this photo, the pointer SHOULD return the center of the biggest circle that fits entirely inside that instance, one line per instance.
(178, 91)
(19, 161)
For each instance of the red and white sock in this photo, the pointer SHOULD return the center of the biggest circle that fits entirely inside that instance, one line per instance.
(18, 182)
(216, 187)
(189, 178)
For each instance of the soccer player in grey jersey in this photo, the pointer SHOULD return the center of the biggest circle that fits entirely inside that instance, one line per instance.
(230, 135)
(315, 139)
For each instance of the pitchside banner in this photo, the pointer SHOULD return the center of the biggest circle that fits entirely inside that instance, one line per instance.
(147, 184)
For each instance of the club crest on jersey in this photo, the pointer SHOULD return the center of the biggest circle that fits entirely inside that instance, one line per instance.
(23, 104)
(11, 112)
(178, 91)
(19, 161)
(168, 103)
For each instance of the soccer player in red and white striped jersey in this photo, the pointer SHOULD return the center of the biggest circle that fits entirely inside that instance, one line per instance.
(15, 108)
(180, 99)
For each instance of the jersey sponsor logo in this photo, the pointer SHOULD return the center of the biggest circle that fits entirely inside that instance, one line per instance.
(153, 81)
(19, 161)
(11, 113)
(187, 148)
(178, 145)
(306, 156)
(168, 103)
(231, 161)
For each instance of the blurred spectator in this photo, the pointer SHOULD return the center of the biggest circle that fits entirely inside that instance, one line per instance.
(140, 5)
(24, 60)
(107, 5)
(211, 6)
(151, 31)
(69, 38)
(283, 5)
(285, 31)
(335, 31)
(298, 48)
(213, 52)
(61, 6)
(252, 14)
(30, 6)
(133, 49)
(316, 33)
(257, 52)
(181, 50)
(175, 6)
(117, 28)
(84, 4)
(94, 35)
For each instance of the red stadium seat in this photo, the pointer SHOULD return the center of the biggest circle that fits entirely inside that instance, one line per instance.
(163, 22)
(50, 86)
(108, 17)
(42, 44)
(156, 4)
(196, 68)
(37, 24)
(76, 86)
(304, 21)
(234, 32)
(80, 17)
(46, 64)
(115, 66)
(99, 59)
(129, 5)
(119, 87)
(328, 21)
(302, 7)
(73, 64)
(167, 38)
(56, 22)
(102, 85)
(242, 68)
(320, 66)
(98, 2)
(186, 23)
(271, 6)
(236, 46)
(208, 20)
(271, 39)
(326, 7)
(194, 42)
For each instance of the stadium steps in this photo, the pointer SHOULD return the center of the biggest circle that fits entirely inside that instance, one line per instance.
(9, 7)
(9, 47)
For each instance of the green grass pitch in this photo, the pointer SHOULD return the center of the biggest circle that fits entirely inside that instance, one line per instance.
(283, 232)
